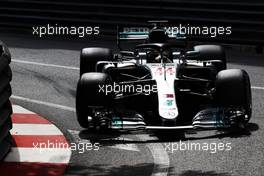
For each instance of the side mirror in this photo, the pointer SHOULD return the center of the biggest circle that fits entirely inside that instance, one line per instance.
(127, 53)
(192, 54)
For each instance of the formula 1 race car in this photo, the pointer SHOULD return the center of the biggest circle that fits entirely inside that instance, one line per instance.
(161, 84)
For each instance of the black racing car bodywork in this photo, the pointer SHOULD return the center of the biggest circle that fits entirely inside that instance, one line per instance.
(161, 85)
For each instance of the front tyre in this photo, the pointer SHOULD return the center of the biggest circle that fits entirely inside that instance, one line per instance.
(233, 89)
(89, 95)
(90, 56)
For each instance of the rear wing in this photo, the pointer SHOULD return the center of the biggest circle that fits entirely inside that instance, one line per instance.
(142, 33)
(133, 33)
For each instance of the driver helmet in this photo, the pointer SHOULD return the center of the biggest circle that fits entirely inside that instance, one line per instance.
(157, 36)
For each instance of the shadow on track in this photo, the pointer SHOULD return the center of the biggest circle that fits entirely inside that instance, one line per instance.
(201, 173)
(106, 170)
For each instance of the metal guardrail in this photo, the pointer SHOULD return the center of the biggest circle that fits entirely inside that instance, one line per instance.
(5, 104)
(246, 18)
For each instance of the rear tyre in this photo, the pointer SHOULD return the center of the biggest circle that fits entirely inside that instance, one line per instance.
(233, 89)
(90, 56)
(89, 94)
(212, 52)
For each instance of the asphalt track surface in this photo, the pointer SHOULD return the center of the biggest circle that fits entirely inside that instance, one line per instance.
(45, 74)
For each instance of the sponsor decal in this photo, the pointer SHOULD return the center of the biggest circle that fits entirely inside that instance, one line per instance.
(116, 121)
(170, 71)
(169, 113)
(168, 103)
(168, 96)
(168, 109)
(159, 71)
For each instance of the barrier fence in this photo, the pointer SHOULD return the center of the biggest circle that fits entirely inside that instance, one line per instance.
(5, 104)
(245, 17)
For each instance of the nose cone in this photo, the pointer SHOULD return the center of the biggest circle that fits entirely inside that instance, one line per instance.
(168, 109)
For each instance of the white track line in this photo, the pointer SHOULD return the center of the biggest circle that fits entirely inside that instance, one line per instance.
(42, 155)
(128, 147)
(20, 110)
(43, 103)
(160, 156)
(256, 87)
(36, 129)
(43, 64)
